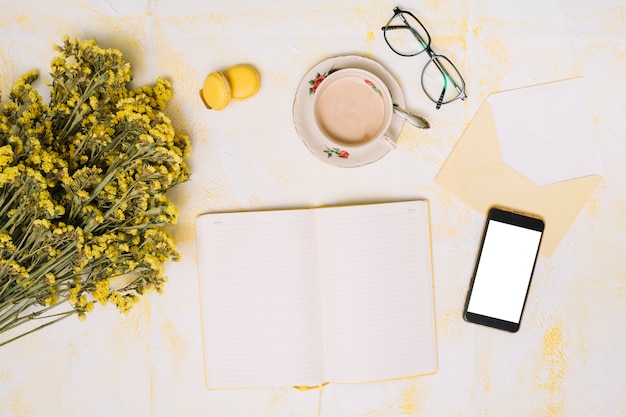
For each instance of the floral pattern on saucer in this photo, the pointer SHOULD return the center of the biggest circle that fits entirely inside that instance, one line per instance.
(310, 133)
(371, 84)
(341, 153)
(315, 82)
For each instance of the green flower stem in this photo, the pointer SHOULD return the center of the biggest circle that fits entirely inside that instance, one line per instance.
(61, 317)
(10, 316)
(114, 143)
(6, 206)
(89, 91)
(18, 292)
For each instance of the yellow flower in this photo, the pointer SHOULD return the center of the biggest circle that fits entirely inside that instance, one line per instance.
(50, 278)
(51, 300)
(9, 174)
(82, 301)
(5, 238)
(101, 293)
(6, 155)
(82, 195)
(42, 223)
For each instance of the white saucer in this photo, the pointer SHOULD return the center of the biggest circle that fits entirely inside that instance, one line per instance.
(315, 140)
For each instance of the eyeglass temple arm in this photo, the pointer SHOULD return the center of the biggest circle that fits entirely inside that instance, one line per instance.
(443, 93)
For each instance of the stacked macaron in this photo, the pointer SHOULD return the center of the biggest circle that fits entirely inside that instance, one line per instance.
(237, 83)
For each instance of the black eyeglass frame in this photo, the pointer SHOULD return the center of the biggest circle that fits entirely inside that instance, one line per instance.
(434, 58)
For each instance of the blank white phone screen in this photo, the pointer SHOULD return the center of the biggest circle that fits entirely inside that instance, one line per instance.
(504, 271)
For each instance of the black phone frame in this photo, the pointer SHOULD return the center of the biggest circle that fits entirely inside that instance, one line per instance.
(515, 218)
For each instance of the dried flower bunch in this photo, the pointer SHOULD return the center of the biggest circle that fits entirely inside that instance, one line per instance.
(82, 188)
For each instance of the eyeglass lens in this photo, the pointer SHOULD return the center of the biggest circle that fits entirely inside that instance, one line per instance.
(406, 35)
(441, 81)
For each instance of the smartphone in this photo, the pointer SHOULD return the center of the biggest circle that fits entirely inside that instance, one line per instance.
(504, 268)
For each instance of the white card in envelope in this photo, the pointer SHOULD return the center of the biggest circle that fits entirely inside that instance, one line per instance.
(546, 132)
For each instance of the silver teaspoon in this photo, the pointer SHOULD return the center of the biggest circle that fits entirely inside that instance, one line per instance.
(414, 119)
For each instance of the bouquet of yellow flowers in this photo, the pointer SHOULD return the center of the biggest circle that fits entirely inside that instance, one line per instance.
(82, 189)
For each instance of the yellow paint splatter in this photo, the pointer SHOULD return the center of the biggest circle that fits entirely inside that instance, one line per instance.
(408, 401)
(21, 19)
(613, 21)
(279, 78)
(173, 341)
(171, 337)
(374, 15)
(498, 66)
(557, 361)
(7, 72)
(457, 223)
(19, 408)
(372, 413)
(135, 323)
(592, 206)
(448, 326)
(278, 396)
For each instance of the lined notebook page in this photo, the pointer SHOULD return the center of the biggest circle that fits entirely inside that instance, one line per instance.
(377, 295)
(260, 299)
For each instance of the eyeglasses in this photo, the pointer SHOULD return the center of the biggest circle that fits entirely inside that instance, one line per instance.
(406, 36)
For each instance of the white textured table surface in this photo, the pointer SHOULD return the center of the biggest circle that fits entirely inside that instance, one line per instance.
(569, 357)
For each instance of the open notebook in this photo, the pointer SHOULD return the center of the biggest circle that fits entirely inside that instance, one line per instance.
(308, 296)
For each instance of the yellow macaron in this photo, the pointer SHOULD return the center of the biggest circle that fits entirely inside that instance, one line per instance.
(244, 81)
(216, 92)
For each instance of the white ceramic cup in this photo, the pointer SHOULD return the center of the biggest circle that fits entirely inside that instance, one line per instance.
(353, 107)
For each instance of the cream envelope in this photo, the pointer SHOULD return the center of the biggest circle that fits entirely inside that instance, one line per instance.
(477, 174)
